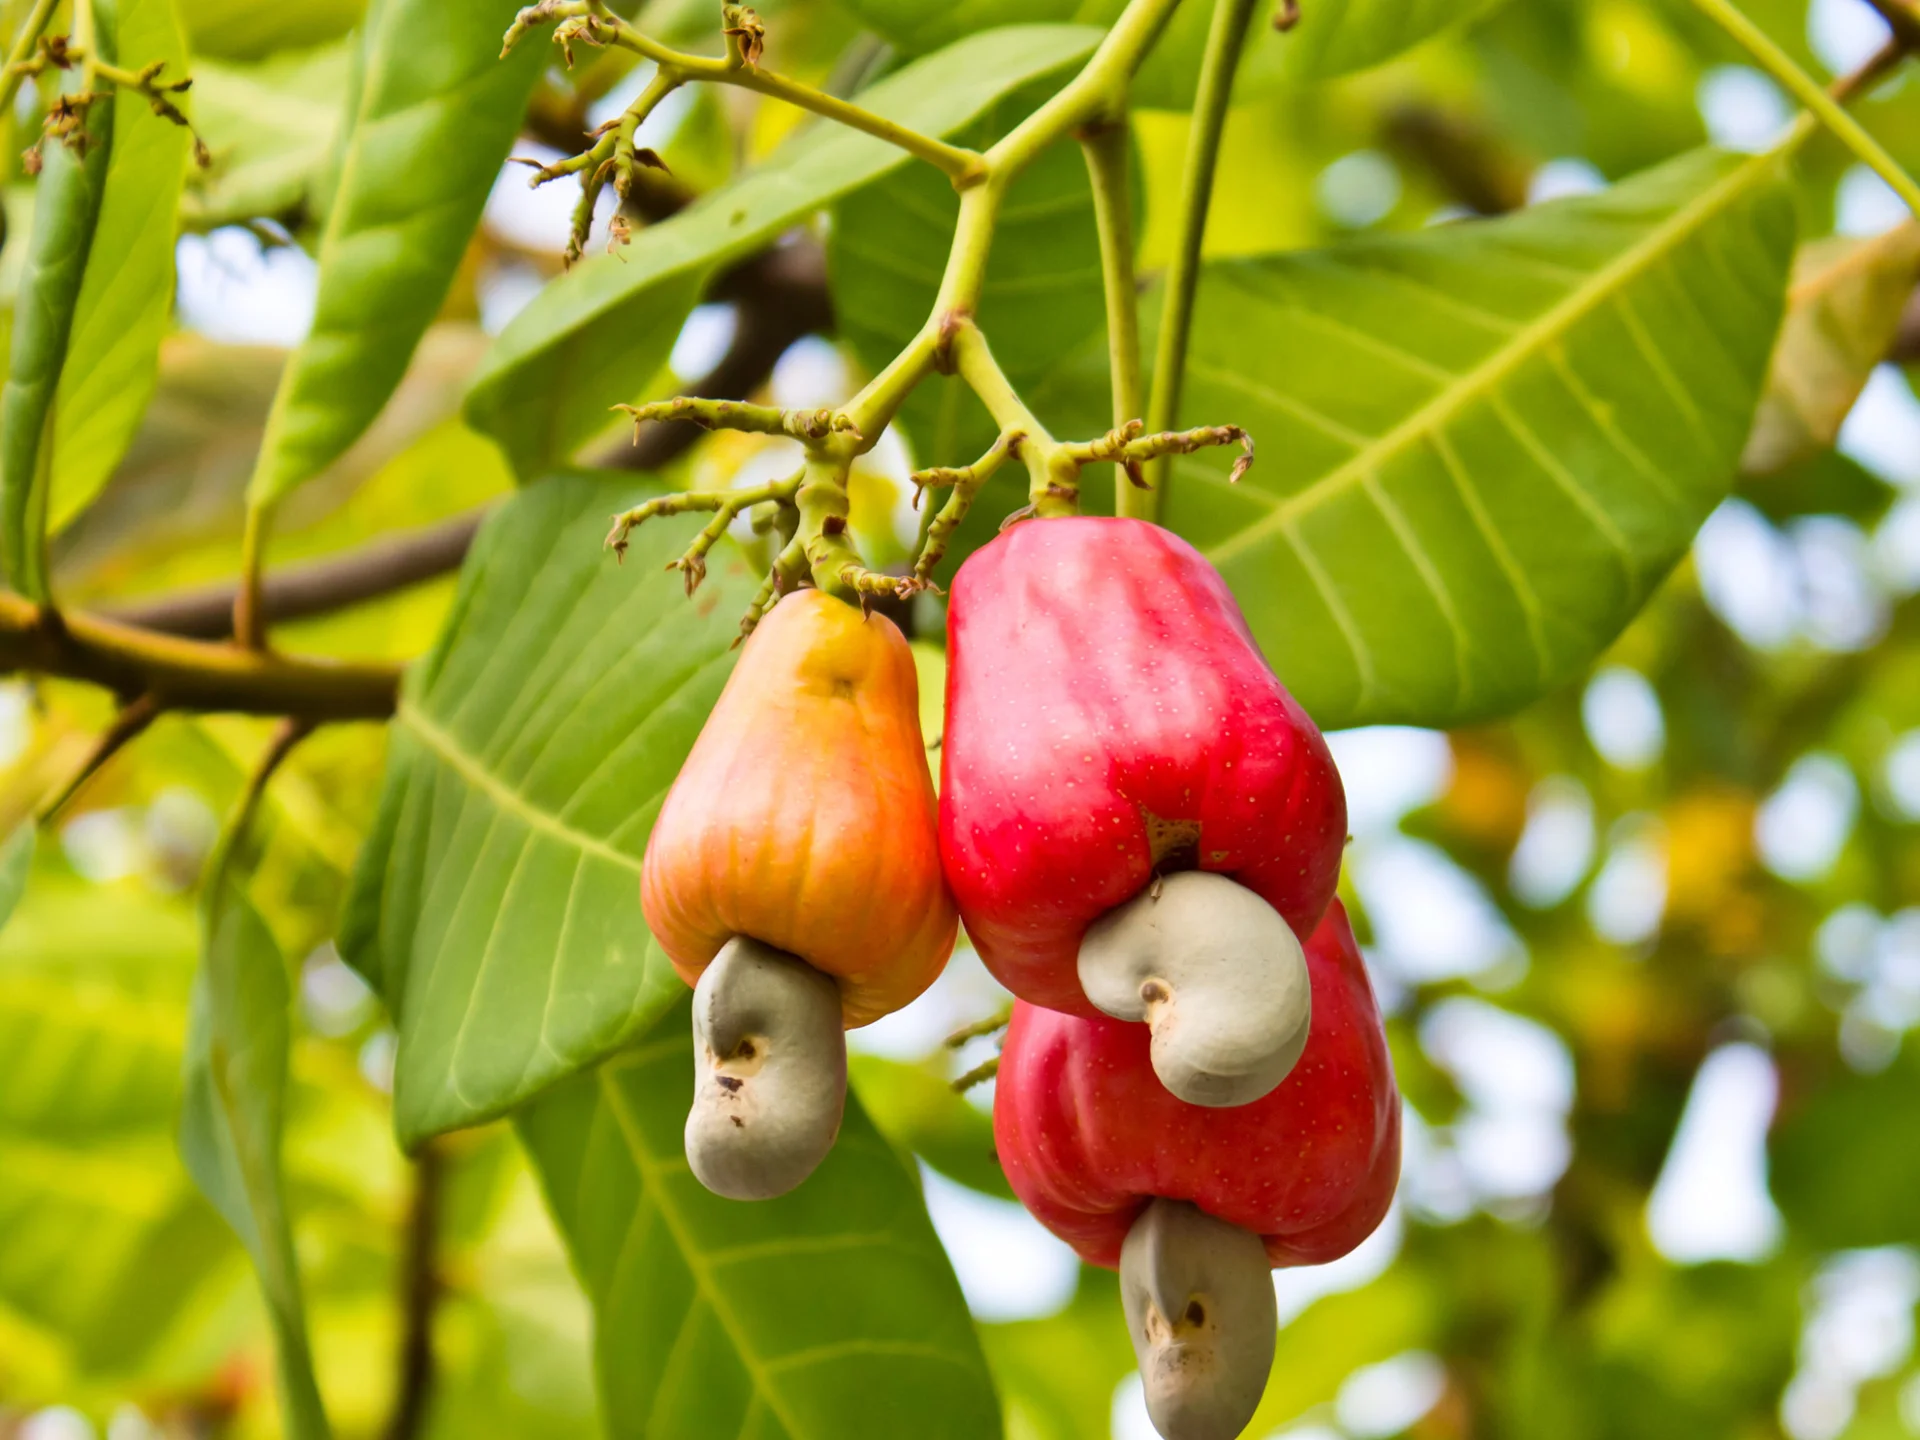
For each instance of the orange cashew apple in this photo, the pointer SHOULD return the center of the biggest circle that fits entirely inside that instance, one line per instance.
(797, 849)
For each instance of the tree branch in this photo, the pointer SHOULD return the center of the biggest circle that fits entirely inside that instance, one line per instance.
(187, 674)
(317, 588)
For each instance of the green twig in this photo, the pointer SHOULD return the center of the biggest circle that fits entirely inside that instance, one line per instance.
(1105, 147)
(992, 1025)
(19, 56)
(726, 505)
(800, 425)
(965, 481)
(979, 1075)
(1810, 93)
(740, 68)
(1225, 40)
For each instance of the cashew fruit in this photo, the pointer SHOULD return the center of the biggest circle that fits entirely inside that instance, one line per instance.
(804, 816)
(1110, 719)
(1089, 1138)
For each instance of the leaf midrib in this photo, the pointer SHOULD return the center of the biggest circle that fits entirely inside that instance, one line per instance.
(1525, 343)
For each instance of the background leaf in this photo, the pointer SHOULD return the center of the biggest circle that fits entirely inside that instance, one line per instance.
(125, 306)
(496, 905)
(1842, 315)
(438, 110)
(16, 861)
(1479, 453)
(1836, 1174)
(916, 1108)
(106, 1238)
(828, 1312)
(272, 129)
(247, 30)
(598, 334)
(231, 1123)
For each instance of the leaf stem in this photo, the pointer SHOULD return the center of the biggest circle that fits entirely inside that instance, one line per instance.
(1105, 148)
(1226, 38)
(127, 725)
(1810, 93)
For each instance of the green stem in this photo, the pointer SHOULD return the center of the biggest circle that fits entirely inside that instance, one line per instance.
(1810, 93)
(1105, 147)
(961, 165)
(1225, 39)
(22, 51)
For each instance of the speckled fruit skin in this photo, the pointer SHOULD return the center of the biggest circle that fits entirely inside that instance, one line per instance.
(804, 816)
(1107, 711)
(1088, 1134)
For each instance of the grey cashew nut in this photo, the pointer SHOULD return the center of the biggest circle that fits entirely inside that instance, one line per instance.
(769, 1071)
(1218, 976)
(1198, 1295)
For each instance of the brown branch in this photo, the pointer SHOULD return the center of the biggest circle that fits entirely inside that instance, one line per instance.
(318, 588)
(189, 674)
(420, 1289)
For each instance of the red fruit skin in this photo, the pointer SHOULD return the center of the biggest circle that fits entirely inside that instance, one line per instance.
(1105, 699)
(1088, 1135)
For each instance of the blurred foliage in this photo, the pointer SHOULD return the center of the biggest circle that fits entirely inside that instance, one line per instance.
(1709, 846)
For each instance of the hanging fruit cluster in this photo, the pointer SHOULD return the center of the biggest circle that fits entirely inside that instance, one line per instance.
(1142, 832)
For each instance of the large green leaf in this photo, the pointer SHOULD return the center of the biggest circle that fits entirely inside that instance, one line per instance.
(66, 209)
(234, 1114)
(1333, 36)
(497, 903)
(888, 247)
(438, 110)
(1481, 445)
(599, 334)
(125, 306)
(827, 1314)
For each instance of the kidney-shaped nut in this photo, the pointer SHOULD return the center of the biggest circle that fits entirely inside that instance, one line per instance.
(1219, 977)
(769, 1071)
(1198, 1295)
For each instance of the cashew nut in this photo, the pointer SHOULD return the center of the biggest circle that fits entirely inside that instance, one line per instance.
(1218, 976)
(1198, 1295)
(769, 1071)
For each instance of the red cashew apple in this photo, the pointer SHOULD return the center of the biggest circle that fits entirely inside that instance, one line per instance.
(793, 878)
(1192, 1204)
(1110, 720)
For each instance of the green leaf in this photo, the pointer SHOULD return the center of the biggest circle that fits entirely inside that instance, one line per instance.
(1481, 445)
(66, 209)
(497, 903)
(827, 1314)
(248, 30)
(234, 1114)
(1836, 1165)
(272, 129)
(125, 306)
(1333, 36)
(16, 861)
(600, 333)
(888, 247)
(916, 1108)
(438, 110)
